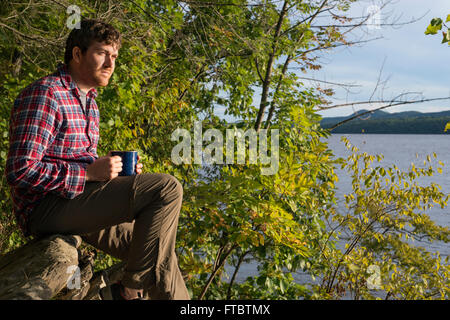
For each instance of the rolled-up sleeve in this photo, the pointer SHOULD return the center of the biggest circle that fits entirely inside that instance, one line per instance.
(35, 121)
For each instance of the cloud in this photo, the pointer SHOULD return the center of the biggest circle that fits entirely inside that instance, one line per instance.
(413, 61)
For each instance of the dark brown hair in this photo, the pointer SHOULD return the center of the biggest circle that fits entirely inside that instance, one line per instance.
(90, 30)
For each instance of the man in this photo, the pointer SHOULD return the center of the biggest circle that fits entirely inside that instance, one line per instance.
(60, 185)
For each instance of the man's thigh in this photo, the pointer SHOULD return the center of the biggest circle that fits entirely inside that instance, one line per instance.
(101, 206)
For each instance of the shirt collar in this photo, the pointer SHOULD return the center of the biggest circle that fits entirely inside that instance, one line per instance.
(69, 83)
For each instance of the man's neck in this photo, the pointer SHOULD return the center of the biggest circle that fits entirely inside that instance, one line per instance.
(78, 80)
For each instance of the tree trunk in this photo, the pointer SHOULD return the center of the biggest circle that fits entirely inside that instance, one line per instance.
(44, 269)
(38, 270)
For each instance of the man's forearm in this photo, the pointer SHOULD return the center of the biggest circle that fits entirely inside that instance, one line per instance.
(64, 178)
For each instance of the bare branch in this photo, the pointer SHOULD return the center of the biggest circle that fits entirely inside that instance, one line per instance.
(319, 48)
(213, 4)
(30, 37)
(310, 18)
(329, 82)
(392, 104)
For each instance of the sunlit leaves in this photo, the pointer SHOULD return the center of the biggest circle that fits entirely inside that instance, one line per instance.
(180, 61)
(383, 221)
(435, 25)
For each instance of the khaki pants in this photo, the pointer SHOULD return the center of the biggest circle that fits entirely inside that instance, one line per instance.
(133, 218)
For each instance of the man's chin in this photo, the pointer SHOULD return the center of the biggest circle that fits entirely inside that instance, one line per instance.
(102, 82)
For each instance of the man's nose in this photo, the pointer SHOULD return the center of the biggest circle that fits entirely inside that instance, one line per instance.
(108, 61)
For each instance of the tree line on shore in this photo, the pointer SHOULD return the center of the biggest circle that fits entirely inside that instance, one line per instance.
(397, 123)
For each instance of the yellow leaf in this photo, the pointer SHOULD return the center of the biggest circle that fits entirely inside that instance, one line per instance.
(447, 127)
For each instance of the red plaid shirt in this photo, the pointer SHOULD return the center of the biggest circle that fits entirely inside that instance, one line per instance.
(52, 139)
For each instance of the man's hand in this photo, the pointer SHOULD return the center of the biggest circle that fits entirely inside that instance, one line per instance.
(139, 166)
(104, 168)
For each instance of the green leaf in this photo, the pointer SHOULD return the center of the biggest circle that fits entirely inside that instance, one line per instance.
(282, 286)
(353, 267)
(436, 22)
(261, 280)
(434, 27)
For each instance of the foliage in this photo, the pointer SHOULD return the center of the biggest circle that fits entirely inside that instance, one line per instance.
(386, 215)
(436, 25)
(181, 61)
(432, 29)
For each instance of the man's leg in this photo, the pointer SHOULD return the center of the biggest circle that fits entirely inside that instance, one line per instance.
(152, 201)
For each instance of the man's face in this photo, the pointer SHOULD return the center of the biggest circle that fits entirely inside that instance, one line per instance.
(97, 64)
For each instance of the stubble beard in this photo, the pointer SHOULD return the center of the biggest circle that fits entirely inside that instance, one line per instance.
(101, 80)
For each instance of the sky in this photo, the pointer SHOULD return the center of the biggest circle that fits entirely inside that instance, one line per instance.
(409, 60)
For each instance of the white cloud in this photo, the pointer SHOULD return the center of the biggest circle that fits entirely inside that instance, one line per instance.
(414, 61)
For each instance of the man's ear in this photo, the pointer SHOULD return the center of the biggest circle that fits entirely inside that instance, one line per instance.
(76, 54)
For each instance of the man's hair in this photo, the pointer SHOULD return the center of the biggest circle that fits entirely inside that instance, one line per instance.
(90, 30)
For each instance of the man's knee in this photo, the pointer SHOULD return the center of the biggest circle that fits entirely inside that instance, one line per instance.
(168, 187)
(173, 186)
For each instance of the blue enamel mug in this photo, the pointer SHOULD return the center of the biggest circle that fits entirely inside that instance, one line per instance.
(129, 161)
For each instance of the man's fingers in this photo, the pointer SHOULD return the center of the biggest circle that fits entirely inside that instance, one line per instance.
(117, 166)
(139, 168)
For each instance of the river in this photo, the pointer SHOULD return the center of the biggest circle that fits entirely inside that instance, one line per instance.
(398, 149)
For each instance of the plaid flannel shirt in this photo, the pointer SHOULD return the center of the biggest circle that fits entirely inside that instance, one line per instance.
(52, 139)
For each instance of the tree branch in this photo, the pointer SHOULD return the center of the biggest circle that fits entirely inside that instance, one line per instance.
(267, 78)
(393, 103)
(233, 277)
(285, 67)
(218, 264)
